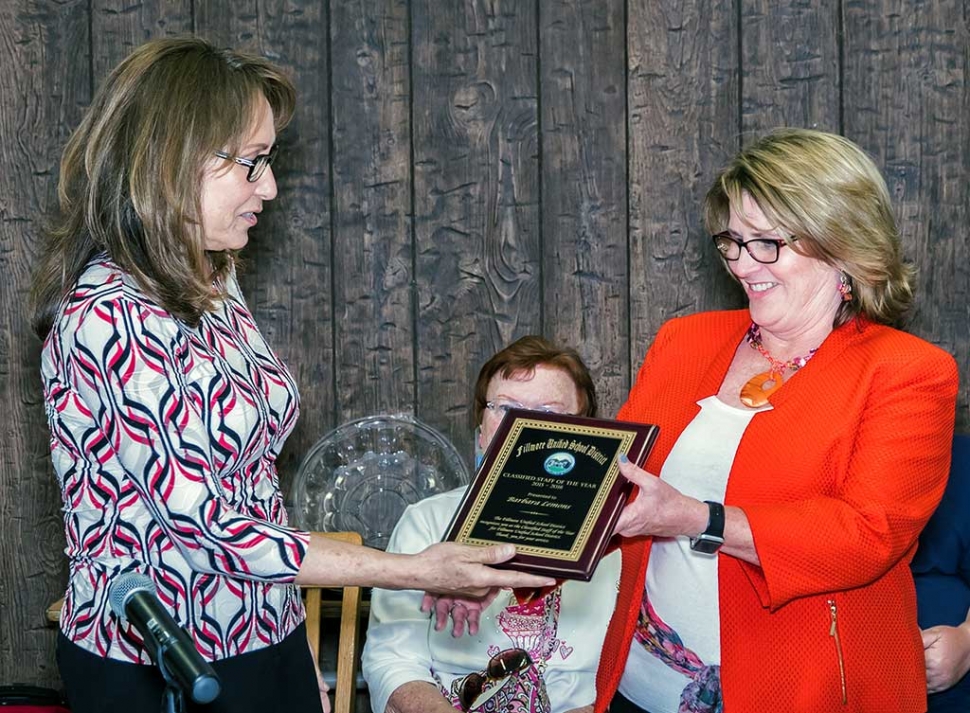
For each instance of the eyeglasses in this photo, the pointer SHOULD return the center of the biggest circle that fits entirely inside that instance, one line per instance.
(763, 250)
(501, 408)
(501, 665)
(257, 166)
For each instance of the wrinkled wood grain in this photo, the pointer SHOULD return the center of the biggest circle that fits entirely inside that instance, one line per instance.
(460, 174)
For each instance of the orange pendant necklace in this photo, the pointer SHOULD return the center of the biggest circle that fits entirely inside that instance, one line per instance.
(756, 392)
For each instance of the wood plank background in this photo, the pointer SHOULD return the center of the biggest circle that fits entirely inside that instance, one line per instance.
(462, 172)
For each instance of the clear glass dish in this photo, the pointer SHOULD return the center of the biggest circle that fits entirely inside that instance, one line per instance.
(362, 475)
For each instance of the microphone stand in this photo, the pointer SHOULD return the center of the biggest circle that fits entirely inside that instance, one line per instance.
(173, 700)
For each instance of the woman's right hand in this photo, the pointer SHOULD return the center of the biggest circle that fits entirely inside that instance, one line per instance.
(448, 568)
(659, 509)
(463, 571)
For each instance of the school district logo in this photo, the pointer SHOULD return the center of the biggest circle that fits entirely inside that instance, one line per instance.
(559, 463)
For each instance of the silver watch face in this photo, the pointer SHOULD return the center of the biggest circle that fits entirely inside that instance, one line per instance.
(706, 544)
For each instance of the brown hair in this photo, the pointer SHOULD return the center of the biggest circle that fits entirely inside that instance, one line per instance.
(524, 355)
(827, 193)
(131, 174)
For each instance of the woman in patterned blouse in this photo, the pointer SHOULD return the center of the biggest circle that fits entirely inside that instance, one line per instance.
(167, 407)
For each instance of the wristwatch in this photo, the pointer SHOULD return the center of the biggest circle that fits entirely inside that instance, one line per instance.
(710, 541)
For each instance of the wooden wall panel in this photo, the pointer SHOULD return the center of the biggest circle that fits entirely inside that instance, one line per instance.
(476, 196)
(44, 82)
(682, 79)
(118, 26)
(459, 174)
(372, 256)
(584, 220)
(789, 66)
(287, 273)
(906, 102)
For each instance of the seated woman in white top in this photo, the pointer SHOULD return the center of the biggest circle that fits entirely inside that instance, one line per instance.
(530, 652)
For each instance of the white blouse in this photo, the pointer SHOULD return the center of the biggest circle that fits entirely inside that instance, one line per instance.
(681, 585)
(402, 645)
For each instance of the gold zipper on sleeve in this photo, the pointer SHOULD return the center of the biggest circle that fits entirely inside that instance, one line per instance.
(834, 633)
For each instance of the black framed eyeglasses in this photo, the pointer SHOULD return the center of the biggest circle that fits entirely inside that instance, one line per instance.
(763, 250)
(257, 166)
(502, 665)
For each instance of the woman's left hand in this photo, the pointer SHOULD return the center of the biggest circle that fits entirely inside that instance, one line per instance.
(324, 690)
(461, 612)
(321, 684)
(659, 509)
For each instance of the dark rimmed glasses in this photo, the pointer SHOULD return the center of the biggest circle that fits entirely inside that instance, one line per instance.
(501, 665)
(763, 250)
(257, 166)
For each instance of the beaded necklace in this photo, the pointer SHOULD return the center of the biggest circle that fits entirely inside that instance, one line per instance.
(755, 393)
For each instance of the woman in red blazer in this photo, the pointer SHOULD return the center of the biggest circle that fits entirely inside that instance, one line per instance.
(803, 445)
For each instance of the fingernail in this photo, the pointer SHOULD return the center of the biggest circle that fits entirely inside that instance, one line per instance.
(623, 458)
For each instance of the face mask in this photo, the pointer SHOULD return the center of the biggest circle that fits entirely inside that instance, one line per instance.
(479, 453)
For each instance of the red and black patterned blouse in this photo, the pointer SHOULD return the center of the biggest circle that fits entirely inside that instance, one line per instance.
(164, 440)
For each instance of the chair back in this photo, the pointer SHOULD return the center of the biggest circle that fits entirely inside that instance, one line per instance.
(348, 654)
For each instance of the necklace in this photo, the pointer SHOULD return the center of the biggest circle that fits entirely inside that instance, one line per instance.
(760, 387)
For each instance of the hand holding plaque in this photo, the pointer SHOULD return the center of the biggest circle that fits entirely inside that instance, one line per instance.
(550, 485)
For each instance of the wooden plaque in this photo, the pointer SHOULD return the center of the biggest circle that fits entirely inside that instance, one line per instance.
(550, 484)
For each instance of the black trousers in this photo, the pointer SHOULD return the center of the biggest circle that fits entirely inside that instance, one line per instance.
(277, 678)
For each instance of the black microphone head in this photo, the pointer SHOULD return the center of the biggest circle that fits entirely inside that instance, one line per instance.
(124, 586)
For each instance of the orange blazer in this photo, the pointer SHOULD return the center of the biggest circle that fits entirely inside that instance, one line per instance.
(837, 480)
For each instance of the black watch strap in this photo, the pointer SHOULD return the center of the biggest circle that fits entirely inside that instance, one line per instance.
(715, 521)
(710, 541)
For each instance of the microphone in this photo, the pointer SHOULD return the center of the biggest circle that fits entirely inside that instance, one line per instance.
(133, 598)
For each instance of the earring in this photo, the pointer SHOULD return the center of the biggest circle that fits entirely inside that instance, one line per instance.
(845, 286)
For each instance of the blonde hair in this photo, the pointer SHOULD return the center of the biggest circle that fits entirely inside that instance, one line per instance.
(828, 194)
(131, 174)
